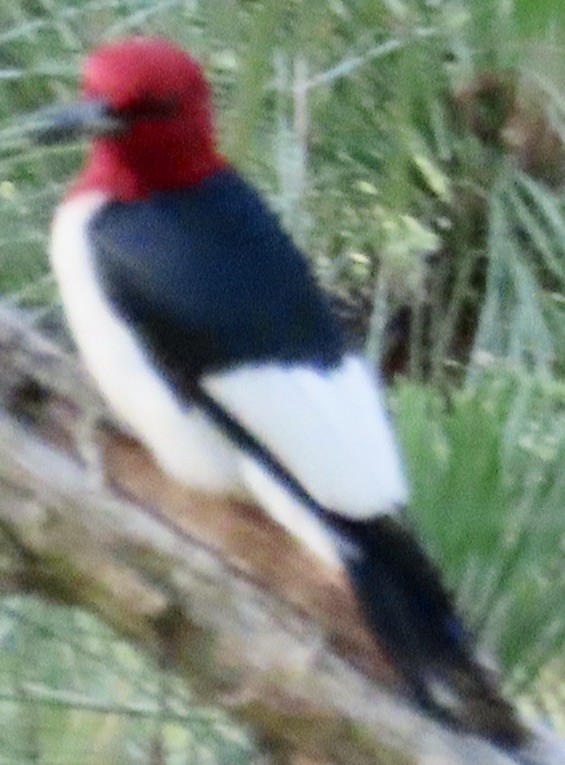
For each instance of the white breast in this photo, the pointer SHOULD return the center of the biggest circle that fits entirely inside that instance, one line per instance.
(181, 438)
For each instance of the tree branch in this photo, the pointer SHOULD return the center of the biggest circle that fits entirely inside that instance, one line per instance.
(254, 623)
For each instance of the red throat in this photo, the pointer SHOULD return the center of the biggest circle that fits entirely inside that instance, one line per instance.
(109, 169)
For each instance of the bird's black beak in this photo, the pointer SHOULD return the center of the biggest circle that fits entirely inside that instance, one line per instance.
(71, 122)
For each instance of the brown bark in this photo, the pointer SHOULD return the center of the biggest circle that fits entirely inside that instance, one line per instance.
(252, 621)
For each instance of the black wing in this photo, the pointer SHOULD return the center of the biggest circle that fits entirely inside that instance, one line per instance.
(209, 279)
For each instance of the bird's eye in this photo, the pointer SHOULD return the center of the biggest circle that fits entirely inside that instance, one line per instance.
(150, 107)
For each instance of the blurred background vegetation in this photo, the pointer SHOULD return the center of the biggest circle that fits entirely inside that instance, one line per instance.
(416, 149)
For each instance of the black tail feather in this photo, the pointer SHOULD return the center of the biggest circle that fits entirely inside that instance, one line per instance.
(414, 618)
(408, 609)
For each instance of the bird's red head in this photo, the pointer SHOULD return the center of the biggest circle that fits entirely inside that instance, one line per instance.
(160, 99)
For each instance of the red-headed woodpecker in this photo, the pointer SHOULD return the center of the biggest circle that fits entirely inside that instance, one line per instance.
(206, 332)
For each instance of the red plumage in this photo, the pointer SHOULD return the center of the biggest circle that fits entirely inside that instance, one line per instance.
(171, 143)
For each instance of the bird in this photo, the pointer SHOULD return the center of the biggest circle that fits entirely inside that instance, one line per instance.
(206, 331)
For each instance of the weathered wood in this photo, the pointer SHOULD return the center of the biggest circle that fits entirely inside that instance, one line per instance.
(212, 588)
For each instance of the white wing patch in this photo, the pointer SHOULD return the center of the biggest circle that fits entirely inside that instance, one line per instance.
(328, 428)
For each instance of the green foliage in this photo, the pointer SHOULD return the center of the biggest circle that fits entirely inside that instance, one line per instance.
(535, 17)
(523, 313)
(416, 149)
(71, 691)
(489, 491)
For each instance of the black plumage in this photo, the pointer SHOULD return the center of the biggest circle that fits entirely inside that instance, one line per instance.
(209, 279)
